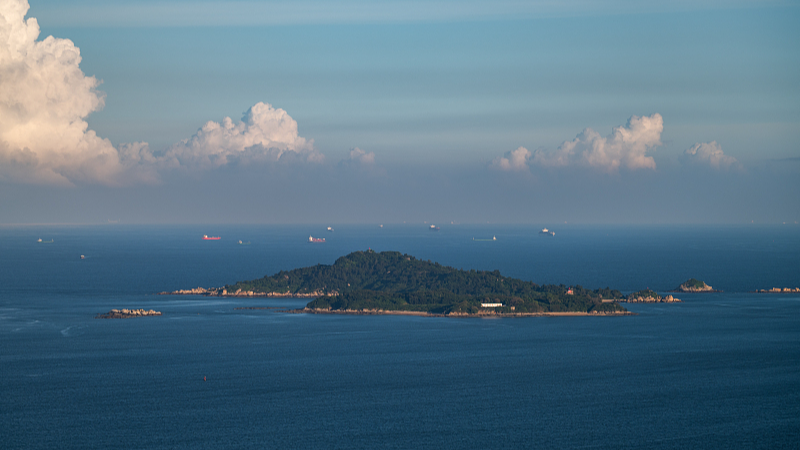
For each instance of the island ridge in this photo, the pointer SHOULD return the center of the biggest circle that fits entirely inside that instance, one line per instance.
(392, 282)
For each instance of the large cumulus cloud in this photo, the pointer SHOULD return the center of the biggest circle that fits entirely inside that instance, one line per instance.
(626, 147)
(45, 99)
(265, 134)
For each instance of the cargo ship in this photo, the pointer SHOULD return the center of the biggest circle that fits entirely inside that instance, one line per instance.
(315, 240)
(546, 231)
(434, 228)
(211, 238)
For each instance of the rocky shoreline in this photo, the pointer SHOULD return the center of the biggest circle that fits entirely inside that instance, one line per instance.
(651, 299)
(257, 307)
(696, 290)
(222, 292)
(778, 291)
(487, 314)
(127, 314)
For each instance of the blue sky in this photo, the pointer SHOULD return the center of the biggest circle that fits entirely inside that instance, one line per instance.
(436, 96)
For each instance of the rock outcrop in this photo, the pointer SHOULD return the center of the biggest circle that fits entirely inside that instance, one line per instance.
(693, 285)
(195, 291)
(648, 296)
(222, 292)
(127, 314)
(779, 291)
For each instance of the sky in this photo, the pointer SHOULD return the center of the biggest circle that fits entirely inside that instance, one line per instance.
(539, 112)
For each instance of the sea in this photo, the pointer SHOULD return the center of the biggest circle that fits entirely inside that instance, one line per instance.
(719, 370)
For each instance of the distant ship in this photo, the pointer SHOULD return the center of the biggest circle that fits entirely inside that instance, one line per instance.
(434, 228)
(494, 238)
(211, 238)
(330, 228)
(244, 243)
(315, 240)
(546, 231)
(45, 242)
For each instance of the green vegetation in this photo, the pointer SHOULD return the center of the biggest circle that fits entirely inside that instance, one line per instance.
(645, 293)
(397, 282)
(693, 283)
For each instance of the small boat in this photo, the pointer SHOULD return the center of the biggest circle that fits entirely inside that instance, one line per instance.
(314, 240)
(244, 243)
(434, 228)
(546, 231)
(83, 257)
(381, 225)
(330, 228)
(211, 238)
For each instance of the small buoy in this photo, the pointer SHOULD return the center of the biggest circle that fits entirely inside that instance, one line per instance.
(204, 378)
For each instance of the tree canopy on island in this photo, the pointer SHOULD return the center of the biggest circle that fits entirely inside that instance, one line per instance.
(694, 283)
(392, 281)
(645, 293)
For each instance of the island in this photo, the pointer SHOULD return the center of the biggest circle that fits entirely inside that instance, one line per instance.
(694, 285)
(370, 282)
(127, 314)
(649, 296)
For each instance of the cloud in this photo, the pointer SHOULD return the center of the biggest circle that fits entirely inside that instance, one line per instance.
(45, 99)
(360, 163)
(512, 161)
(625, 147)
(265, 134)
(710, 154)
(360, 157)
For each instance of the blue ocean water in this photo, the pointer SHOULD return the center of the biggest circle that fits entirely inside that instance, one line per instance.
(716, 371)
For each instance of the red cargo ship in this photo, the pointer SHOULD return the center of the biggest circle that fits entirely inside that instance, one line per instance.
(313, 239)
(211, 238)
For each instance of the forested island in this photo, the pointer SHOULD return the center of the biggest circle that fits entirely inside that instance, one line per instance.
(694, 285)
(368, 282)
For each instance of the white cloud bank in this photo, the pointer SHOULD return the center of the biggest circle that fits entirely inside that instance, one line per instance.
(625, 147)
(45, 99)
(709, 154)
